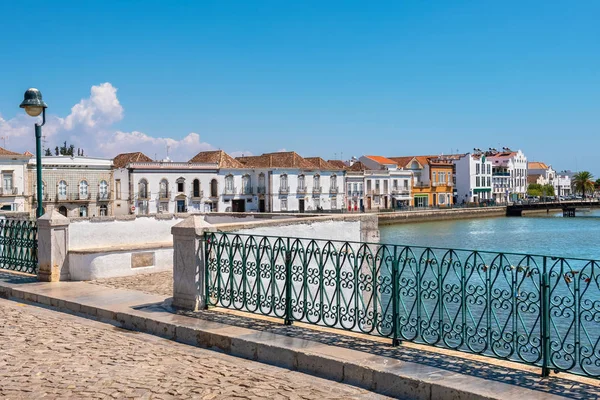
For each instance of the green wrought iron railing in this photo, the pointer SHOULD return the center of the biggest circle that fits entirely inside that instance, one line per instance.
(534, 309)
(18, 245)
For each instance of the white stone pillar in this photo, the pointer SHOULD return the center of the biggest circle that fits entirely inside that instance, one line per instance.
(189, 268)
(53, 247)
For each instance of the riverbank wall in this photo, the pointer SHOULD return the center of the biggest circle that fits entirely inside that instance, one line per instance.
(439, 215)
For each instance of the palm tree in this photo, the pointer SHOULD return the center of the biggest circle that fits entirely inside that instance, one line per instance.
(582, 182)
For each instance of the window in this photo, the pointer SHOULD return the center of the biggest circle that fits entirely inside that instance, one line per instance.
(489, 169)
(196, 188)
(229, 184)
(261, 183)
(283, 183)
(83, 190)
(246, 184)
(62, 188)
(180, 185)
(449, 177)
(377, 183)
(442, 177)
(143, 189)
(406, 184)
(317, 182)
(103, 210)
(369, 185)
(385, 186)
(434, 177)
(349, 186)
(333, 183)
(103, 190)
(301, 183)
(118, 189)
(214, 188)
(164, 207)
(7, 180)
(83, 211)
(334, 203)
(477, 169)
(477, 182)
(284, 205)
(489, 183)
(163, 189)
(395, 184)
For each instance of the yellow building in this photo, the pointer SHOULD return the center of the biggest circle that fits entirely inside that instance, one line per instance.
(433, 184)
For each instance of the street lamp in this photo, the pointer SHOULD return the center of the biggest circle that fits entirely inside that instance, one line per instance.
(34, 106)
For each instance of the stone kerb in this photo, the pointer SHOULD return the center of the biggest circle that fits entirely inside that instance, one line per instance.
(53, 247)
(189, 263)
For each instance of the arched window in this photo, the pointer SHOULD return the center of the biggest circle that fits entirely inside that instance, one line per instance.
(180, 185)
(301, 183)
(196, 188)
(214, 188)
(229, 184)
(333, 183)
(143, 189)
(62, 188)
(83, 190)
(283, 183)
(103, 190)
(247, 184)
(261, 183)
(163, 190)
(317, 182)
(103, 210)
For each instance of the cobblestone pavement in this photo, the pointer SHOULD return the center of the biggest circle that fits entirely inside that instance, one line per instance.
(157, 283)
(47, 354)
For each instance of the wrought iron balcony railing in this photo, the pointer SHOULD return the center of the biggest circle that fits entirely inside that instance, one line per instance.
(535, 309)
(45, 197)
(74, 197)
(401, 191)
(196, 194)
(104, 196)
(164, 195)
(143, 196)
(301, 190)
(9, 191)
(262, 190)
(230, 190)
(284, 190)
(317, 190)
(333, 190)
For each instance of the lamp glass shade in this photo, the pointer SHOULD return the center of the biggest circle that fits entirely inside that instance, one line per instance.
(34, 111)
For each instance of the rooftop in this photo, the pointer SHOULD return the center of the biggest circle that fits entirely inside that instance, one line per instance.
(289, 159)
(219, 157)
(121, 160)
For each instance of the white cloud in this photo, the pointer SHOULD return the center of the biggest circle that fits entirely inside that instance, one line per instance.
(88, 126)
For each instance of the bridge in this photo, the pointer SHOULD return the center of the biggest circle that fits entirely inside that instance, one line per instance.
(568, 207)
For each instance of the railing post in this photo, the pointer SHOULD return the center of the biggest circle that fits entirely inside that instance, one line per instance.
(545, 319)
(395, 298)
(288, 285)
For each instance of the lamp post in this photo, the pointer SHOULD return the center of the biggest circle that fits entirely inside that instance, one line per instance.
(34, 106)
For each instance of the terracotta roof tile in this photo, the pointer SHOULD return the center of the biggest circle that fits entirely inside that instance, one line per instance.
(219, 157)
(402, 162)
(533, 178)
(339, 164)
(28, 154)
(289, 159)
(322, 164)
(357, 166)
(4, 152)
(123, 159)
(382, 160)
(537, 165)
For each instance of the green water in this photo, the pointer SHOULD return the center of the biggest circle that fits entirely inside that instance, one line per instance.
(552, 234)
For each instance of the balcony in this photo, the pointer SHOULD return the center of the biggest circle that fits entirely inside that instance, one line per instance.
(440, 184)
(284, 190)
(501, 174)
(301, 190)
(333, 190)
(247, 191)
(374, 192)
(143, 196)
(74, 197)
(196, 194)
(164, 195)
(103, 196)
(230, 191)
(262, 190)
(45, 197)
(9, 192)
(401, 191)
(317, 190)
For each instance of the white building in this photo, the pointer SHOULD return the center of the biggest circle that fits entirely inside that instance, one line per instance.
(509, 174)
(293, 183)
(14, 196)
(545, 175)
(386, 185)
(211, 181)
(75, 186)
(473, 174)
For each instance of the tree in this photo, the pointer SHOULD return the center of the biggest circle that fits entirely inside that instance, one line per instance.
(66, 150)
(47, 152)
(534, 189)
(548, 190)
(582, 182)
(597, 184)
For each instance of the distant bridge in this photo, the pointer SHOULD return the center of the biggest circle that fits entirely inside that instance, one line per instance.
(568, 207)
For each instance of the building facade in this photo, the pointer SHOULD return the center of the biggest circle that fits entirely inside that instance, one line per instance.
(509, 174)
(75, 186)
(548, 176)
(473, 175)
(14, 193)
(386, 185)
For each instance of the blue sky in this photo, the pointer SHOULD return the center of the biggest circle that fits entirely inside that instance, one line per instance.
(320, 78)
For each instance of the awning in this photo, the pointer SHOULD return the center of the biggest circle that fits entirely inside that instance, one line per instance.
(481, 190)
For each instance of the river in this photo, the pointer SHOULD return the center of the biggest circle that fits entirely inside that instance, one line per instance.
(552, 234)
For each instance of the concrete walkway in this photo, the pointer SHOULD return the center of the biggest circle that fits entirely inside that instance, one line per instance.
(400, 372)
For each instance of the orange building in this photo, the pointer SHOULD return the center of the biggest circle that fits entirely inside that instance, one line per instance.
(433, 184)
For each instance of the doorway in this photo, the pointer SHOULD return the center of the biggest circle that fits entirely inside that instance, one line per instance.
(63, 210)
(181, 206)
(301, 205)
(238, 205)
(261, 205)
